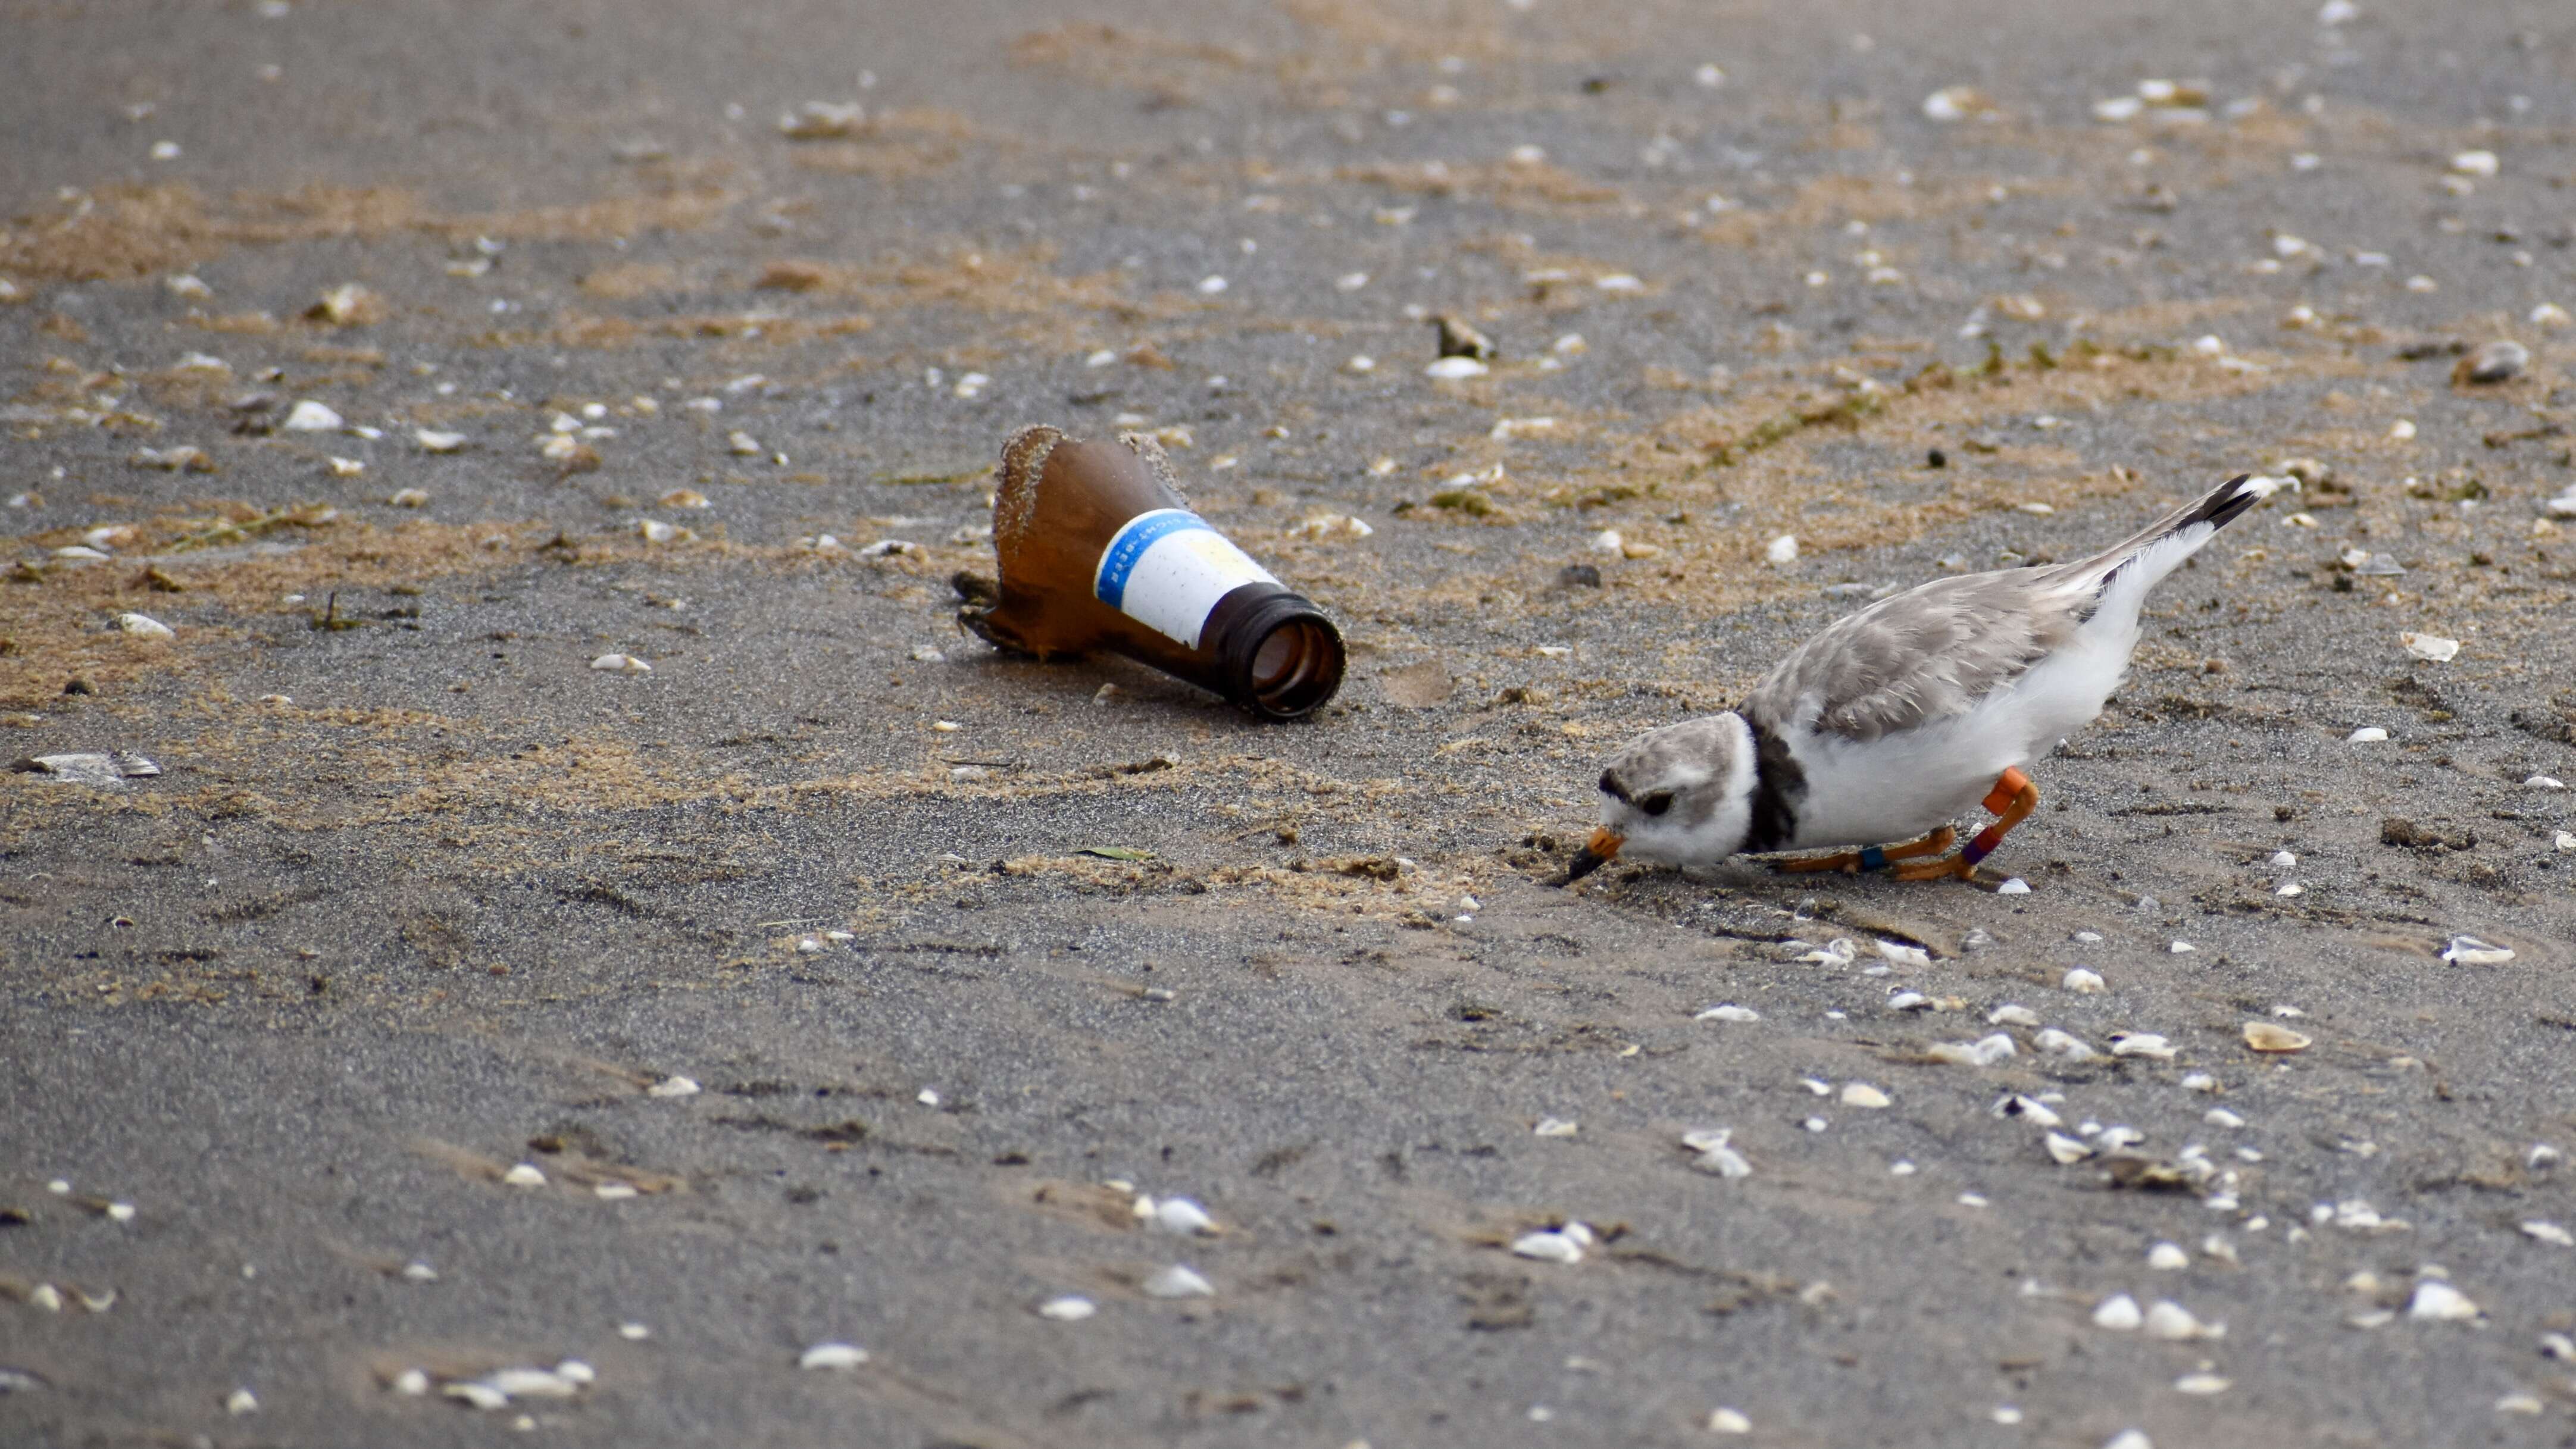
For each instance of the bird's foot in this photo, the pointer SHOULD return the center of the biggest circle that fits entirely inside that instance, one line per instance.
(2012, 800)
(1853, 862)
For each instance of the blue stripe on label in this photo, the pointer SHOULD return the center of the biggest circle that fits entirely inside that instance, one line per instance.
(1140, 534)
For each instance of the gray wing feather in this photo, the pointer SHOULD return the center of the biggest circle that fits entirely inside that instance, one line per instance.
(1925, 655)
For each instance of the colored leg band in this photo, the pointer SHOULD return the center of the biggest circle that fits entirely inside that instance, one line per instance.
(1983, 846)
(1873, 858)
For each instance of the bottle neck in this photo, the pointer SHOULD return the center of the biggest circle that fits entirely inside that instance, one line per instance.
(1274, 651)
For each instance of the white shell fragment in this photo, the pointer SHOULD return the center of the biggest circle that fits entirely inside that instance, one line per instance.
(2082, 981)
(1450, 369)
(533, 1383)
(832, 1355)
(2470, 951)
(1070, 1308)
(2438, 1302)
(1983, 1052)
(1729, 1013)
(1728, 1421)
(2266, 1036)
(2009, 1014)
(431, 440)
(621, 664)
(672, 1087)
(1782, 551)
(1715, 1156)
(2035, 1113)
(1862, 1094)
(241, 1401)
(2551, 1233)
(2432, 648)
(1548, 1246)
(1178, 1215)
(2119, 1313)
(2067, 1150)
(2475, 163)
(2174, 1323)
(1896, 953)
(2168, 1257)
(1554, 1127)
(2366, 735)
(2065, 1044)
(411, 1383)
(476, 1393)
(524, 1175)
(1178, 1281)
(2201, 1385)
(308, 416)
(2141, 1044)
(144, 626)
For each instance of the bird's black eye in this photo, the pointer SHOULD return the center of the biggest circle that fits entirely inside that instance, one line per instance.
(1657, 803)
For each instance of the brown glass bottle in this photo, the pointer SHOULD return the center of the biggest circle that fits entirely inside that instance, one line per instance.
(1099, 551)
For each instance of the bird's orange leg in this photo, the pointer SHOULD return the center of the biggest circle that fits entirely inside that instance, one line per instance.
(2012, 800)
(1853, 862)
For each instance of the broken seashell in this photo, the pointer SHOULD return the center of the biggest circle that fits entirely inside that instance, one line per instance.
(674, 1086)
(2168, 1257)
(1898, 954)
(2432, 648)
(1178, 1281)
(832, 1355)
(2366, 735)
(2082, 981)
(1729, 1013)
(1450, 369)
(1553, 1127)
(2119, 1313)
(2141, 1044)
(2066, 1149)
(2063, 1044)
(2438, 1302)
(433, 441)
(144, 626)
(2009, 1014)
(2470, 951)
(621, 664)
(524, 1175)
(2033, 1112)
(1862, 1094)
(2174, 1323)
(1071, 1308)
(2201, 1384)
(2266, 1036)
(308, 416)
(478, 1395)
(1180, 1215)
(1548, 1246)
(2549, 1232)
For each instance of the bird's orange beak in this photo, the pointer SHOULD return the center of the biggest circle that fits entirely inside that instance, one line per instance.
(1597, 852)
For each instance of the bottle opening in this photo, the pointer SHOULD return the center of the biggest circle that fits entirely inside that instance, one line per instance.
(1296, 668)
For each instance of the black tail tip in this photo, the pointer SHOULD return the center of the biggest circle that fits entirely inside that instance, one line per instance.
(2226, 501)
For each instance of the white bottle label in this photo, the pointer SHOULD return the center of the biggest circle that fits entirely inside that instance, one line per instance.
(1167, 569)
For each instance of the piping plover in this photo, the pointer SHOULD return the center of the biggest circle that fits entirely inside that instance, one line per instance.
(1895, 720)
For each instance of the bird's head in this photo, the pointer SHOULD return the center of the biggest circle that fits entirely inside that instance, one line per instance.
(1682, 795)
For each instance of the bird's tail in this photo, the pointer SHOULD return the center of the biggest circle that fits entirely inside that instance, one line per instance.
(2160, 548)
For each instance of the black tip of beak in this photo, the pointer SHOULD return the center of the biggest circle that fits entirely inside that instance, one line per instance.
(1585, 862)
